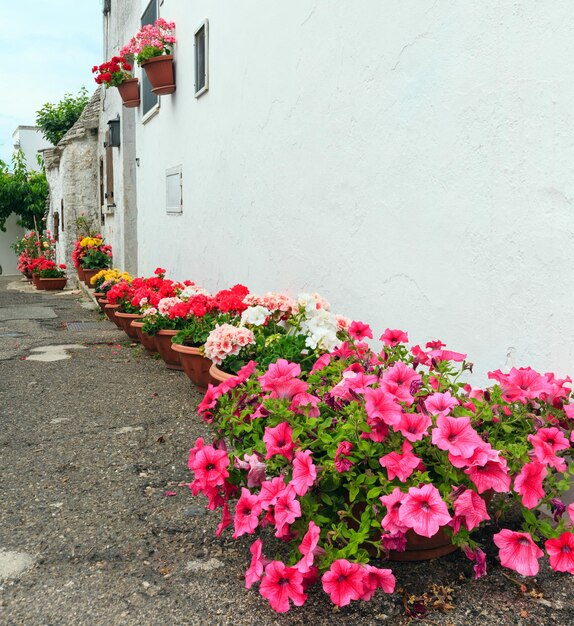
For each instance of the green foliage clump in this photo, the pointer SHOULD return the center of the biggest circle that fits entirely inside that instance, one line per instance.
(55, 120)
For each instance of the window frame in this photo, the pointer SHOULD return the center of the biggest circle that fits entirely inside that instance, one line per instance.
(204, 25)
(174, 171)
(154, 110)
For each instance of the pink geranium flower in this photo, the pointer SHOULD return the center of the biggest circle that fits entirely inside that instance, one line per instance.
(424, 510)
(279, 440)
(304, 472)
(343, 582)
(391, 522)
(281, 584)
(380, 405)
(518, 552)
(529, 483)
(414, 426)
(455, 435)
(470, 509)
(394, 337)
(246, 513)
(440, 403)
(360, 331)
(561, 553)
(309, 548)
(376, 578)
(400, 465)
(281, 380)
(255, 570)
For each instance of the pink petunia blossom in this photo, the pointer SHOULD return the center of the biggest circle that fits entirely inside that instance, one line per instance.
(561, 553)
(493, 474)
(281, 380)
(270, 491)
(569, 410)
(210, 466)
(440, 403)
(394, 541)
(400, 465)
(424, 510)
(321, 363)
(376, 578)
(246, 513)
(446, 355)
(256, 469)
(456, 435)
(281, 584)
(304, 473)
(528, 483)
(226, 520)
(479, 557)
(305, 404)
(380, 405)
(279, 440)
(470, 510)
(392, 338)
(360, 331)
(255, 570)
(401, 382)
(287, 510)
(343, 582)
(414, 426)
(517, 551)
(570, 511)
(309, 548)
(391, 522)
(521, 385)
(342, 463)
(546, 443)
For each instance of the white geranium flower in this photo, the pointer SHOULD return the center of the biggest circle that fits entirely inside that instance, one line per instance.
(255, 315)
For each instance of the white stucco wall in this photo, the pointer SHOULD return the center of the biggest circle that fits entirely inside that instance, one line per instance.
(30, 140)
(8, 258)
(412, 161)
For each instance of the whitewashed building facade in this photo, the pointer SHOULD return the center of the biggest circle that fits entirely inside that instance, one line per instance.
(411, 161)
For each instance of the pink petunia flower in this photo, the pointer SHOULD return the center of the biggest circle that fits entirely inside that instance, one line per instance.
(480, 565)
(392, 338)
(270, 491)
(570, 511)
(521, 385)
(391, 522)
(281, 380)
(561, 553)
(440, 403)
(210, 466)
(226, 520)
(456, 435)
(246, 513)
(470, 509)
(360, 331)
(394, 541)
(309, 548)
(304, 473)
(546, 443)
(490, 475)
(400, 465)
(528, 483)
(305, 404)
(321, 363)
(424, 510)
(376, 578)
(255, 570)
(281, 584)
(287, 510)
(414, 426)
(517, 551)
(342, 463)
(279, 440)
(343, 582)
(380, 405)
(256, 469)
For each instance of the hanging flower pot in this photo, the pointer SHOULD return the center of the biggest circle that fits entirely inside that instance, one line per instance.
(160, 74)
(130, 92)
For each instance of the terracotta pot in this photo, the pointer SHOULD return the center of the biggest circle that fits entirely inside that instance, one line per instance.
(53, 284)
(103, 302)
(89, 274)
(125, 320)
(80, 271)
(98, 296)
(424, 548)
(195, 365)
(130, 92)
(110, 311)
(36, 281)
(163, 345)
(146, 340)
(219, 375)
(160, 74)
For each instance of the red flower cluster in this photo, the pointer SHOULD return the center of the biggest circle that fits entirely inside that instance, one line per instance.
(112, 73)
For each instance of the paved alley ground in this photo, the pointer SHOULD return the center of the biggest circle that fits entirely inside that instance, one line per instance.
(89, 446)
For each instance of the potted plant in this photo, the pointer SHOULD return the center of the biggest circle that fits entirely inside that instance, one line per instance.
(152, 47)
(93, 255)
(368, 451)
(51, 276)
(118, 73)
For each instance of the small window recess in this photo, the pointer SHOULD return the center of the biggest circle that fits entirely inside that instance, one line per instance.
(173, 191)
(150, 102)
(201, 39)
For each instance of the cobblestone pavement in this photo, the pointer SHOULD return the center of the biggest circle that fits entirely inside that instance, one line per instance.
(90, 444)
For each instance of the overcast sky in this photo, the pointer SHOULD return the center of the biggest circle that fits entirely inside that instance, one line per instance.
(48, 50)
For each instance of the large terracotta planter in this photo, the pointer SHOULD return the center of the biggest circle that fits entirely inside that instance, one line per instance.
(130, 92)
(424, 548)
(147, 341)
(125, 320)
(36, 280)
(195, 365)
(53, 284)
(163, 345)
(80, 271)
(219, 375)
(110, 311)
(160, 74)
(103, 302)
(90, 273)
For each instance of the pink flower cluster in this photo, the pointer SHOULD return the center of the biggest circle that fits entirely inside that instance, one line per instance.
(226, 340)
(159, 36)
(274, 301)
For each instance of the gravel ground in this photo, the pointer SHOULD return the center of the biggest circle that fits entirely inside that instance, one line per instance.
(89, 446)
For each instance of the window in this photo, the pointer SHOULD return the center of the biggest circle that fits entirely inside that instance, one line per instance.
(150, 102)
(173, 191)
(201, 59)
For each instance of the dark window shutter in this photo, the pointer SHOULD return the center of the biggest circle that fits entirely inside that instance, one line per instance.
(149, 99)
